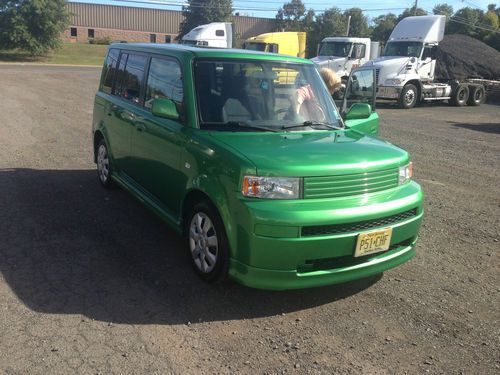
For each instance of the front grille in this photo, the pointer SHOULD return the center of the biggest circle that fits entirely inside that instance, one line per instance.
(350, 184)
(322, 230)
(377, 75)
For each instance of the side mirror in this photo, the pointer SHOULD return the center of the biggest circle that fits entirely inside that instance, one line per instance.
(427, 60)
(359, 111)
(164, 108)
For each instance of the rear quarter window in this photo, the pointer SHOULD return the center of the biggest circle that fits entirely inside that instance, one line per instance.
(109, 71)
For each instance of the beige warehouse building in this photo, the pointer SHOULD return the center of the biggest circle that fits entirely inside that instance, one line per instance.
(133, 24)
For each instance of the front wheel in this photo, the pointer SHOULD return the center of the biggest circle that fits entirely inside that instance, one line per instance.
(207, 243)
(408, 97)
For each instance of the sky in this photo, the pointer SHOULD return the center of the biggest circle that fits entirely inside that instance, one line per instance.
(268, 8)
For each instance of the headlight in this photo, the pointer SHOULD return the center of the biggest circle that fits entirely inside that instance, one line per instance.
(271, 187)
(393, 81)
(405, 173)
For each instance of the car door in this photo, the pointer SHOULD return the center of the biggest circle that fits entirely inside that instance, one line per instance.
(361, 88)
(121, 108)
(157, 142)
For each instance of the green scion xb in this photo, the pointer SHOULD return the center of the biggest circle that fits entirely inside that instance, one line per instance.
(247, 156)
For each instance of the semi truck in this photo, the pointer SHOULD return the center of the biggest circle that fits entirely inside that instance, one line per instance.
(215, 34)
(287, 43)
(405, 71)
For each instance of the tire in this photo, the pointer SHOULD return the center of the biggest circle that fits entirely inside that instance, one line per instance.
(460, 96)
(408, 97)
(477, 95)
(207, 243)
(104, 169)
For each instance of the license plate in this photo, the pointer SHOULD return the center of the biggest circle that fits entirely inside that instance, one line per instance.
(373, 242)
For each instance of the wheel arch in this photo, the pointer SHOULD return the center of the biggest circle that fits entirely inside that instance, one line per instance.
(418, 85)
(98, 135)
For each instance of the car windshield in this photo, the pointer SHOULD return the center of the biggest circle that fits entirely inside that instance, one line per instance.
(256, 46)
(243, 95)
(338, 49)
(405, 49)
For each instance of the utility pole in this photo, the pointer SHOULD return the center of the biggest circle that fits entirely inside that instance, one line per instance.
(348, 25)
(415, 8)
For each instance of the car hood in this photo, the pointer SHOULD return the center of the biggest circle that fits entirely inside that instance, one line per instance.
(320, 153)
(395, 63)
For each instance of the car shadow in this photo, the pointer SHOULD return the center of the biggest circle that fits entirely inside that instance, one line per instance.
(481, 127)
(68, 246)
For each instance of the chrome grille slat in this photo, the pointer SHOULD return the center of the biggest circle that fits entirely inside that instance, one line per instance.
(350, 184)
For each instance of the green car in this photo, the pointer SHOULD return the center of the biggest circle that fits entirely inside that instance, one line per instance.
(247, 156)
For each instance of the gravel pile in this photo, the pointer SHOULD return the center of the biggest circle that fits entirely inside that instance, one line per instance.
(460, 56)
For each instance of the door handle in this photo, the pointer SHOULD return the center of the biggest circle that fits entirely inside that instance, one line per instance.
(139, 126)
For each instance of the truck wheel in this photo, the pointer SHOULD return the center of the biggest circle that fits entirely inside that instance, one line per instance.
(460, 97)
(408, 97)
(477, 95)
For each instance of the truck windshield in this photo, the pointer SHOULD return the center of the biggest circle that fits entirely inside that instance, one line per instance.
(405, 49)
(338, 49)
(255, 46)
(250, 95)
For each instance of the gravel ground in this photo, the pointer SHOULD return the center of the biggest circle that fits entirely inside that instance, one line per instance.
(91, 282)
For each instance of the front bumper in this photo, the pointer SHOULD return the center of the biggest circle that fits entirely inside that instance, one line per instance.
(278, 254)
(388, 92)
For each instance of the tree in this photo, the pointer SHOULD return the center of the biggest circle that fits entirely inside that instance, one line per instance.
(465, 21)
(200, 12)
(33, 25)
(445, 10)
(359, 23)
(290, 16)
(408, 12)
(384, 24)
(331, 22)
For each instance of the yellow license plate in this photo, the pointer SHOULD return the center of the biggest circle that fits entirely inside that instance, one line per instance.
(373, 242)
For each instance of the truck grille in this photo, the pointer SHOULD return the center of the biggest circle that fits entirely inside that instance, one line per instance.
(377, 74)
(350, 184)
(322, 230)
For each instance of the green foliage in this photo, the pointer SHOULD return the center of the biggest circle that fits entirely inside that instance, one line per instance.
(408, 12)
(103, 41)
(34, 26)
(200, 12)
(445, 10)
(465, 21)
(359, 23)
(384, 24)
(290, 16)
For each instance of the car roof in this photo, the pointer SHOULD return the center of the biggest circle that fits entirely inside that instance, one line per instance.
(200, 52)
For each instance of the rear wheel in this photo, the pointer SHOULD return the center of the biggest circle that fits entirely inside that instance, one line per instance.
(104, 169)
(408, 97)
(207, 243)
(477, 95)
(461, 95)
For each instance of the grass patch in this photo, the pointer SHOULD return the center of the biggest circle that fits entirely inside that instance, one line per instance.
(70, 53)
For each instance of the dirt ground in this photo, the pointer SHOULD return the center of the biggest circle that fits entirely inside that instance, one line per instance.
(91, 282)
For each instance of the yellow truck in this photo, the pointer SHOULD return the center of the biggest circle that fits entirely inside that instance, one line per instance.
(287, 43)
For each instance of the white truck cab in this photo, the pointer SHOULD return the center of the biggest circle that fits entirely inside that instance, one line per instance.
(343, 54)
(215, 34)
(405, 71)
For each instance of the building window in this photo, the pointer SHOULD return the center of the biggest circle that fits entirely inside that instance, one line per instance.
(152, 38)
(74, 32)
(168, 38)
(91, 33)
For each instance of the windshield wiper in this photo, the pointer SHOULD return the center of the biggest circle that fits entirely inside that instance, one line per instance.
(238, 124)
(311, 124)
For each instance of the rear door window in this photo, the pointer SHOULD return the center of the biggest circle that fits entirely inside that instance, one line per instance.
(164, 82)
(130, 77)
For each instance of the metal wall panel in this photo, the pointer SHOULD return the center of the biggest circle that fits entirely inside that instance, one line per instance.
(152, 20)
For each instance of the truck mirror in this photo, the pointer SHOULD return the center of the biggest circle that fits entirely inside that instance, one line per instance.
(427, 60)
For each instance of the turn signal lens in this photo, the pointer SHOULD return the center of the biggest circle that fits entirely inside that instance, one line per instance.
(405, 173)
(271, 187)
